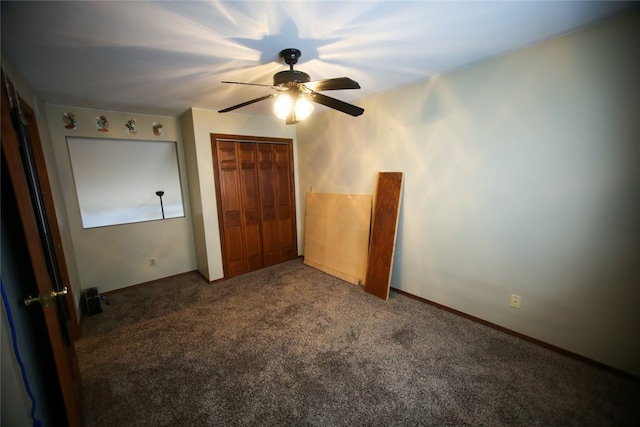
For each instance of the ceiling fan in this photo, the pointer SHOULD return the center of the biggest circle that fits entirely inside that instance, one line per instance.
(295, 89)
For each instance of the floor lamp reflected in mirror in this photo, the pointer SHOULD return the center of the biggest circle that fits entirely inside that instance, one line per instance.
(160, 194)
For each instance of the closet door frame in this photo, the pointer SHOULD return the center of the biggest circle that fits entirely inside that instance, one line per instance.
(215, 137)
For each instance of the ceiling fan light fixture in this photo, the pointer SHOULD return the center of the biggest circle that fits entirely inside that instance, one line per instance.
(303, 108)
(282, 107)
(297, 92)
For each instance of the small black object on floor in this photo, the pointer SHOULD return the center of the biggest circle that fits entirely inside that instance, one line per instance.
(91, 302)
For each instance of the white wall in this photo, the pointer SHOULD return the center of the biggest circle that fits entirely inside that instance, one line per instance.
(521, 176)
(117, 256)
(198, 125)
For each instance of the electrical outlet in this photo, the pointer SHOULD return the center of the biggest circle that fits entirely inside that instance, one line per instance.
(152, 262)
(515, 301)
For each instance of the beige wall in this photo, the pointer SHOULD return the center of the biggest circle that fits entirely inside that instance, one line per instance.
(117, 256)
(198, 125)
(521, 177)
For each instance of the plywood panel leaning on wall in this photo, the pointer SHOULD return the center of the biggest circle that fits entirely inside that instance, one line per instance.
(383, 233)
(337, 234)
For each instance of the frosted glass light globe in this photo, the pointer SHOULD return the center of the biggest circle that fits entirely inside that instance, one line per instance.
(282, 107)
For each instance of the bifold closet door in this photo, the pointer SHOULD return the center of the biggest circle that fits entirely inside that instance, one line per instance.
(285, 202)
(256, 204)
(250, 206)
(266, 167)
(277, 203)
(240, 205)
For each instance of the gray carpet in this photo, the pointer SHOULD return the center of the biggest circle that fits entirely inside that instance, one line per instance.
(289, 345)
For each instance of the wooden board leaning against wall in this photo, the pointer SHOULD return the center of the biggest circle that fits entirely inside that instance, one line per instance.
(383, 233)
(337, 234)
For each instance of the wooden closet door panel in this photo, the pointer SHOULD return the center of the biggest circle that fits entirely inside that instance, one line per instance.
(268, 205)
(284, 202)
(235, 255)
(231, 208)
(250, 205)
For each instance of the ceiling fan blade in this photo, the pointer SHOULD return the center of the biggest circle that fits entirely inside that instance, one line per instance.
(247, 84)
(244, 104)
(333, 84)
(336, 104)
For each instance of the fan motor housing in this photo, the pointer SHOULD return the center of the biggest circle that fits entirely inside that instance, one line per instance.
(290, 78)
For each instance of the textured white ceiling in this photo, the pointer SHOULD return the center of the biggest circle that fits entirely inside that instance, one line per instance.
(165, 57)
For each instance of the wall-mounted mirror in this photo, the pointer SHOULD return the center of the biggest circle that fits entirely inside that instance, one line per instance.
(120, 181)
